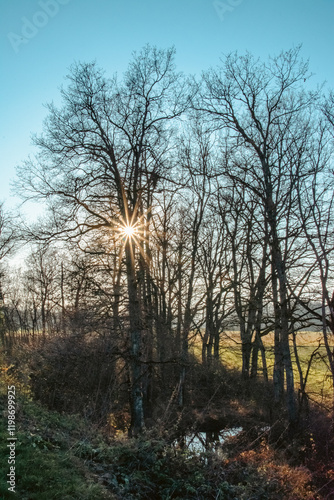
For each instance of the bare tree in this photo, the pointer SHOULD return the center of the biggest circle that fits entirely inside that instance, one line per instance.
(214, 248)
(8, 239)
(316, 212)
(100, 155)
(246, 264)
(265, 110)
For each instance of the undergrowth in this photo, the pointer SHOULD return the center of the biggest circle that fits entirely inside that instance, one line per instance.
(61, 456)
(45, 466)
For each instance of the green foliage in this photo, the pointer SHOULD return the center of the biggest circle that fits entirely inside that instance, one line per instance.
(45, 466)
(44, 473)
(149, 468)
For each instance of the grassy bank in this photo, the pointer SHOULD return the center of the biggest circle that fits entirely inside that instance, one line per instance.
(64, 457)
(58, 457)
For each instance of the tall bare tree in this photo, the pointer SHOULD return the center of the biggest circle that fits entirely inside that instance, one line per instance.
(316, 212)
(265, 109)
(101, 153)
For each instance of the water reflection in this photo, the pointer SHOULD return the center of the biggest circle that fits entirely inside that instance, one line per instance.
(199, 442)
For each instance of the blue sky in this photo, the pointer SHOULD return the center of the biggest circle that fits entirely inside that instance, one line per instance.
(40, 39)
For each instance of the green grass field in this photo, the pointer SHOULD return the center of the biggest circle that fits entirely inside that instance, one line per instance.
(319, 381)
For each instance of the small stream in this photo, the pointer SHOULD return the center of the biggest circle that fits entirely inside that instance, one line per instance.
(199, 442)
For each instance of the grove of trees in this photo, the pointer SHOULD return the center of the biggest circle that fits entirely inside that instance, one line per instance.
(179, 211)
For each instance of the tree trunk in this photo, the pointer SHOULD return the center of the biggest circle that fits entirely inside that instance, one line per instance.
(278, 375)
(255, 357)
(137, 414)
(281, 313)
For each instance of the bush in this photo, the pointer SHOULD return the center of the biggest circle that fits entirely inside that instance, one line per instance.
(78, 375)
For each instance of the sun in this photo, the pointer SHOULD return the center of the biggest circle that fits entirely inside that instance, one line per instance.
(129, 231)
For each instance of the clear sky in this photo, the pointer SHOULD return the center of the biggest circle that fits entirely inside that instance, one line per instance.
(41, 38)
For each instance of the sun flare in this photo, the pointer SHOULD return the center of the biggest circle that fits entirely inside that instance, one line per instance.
(129, 231)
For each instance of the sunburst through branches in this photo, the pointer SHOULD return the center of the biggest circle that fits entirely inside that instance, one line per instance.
(133, 229)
